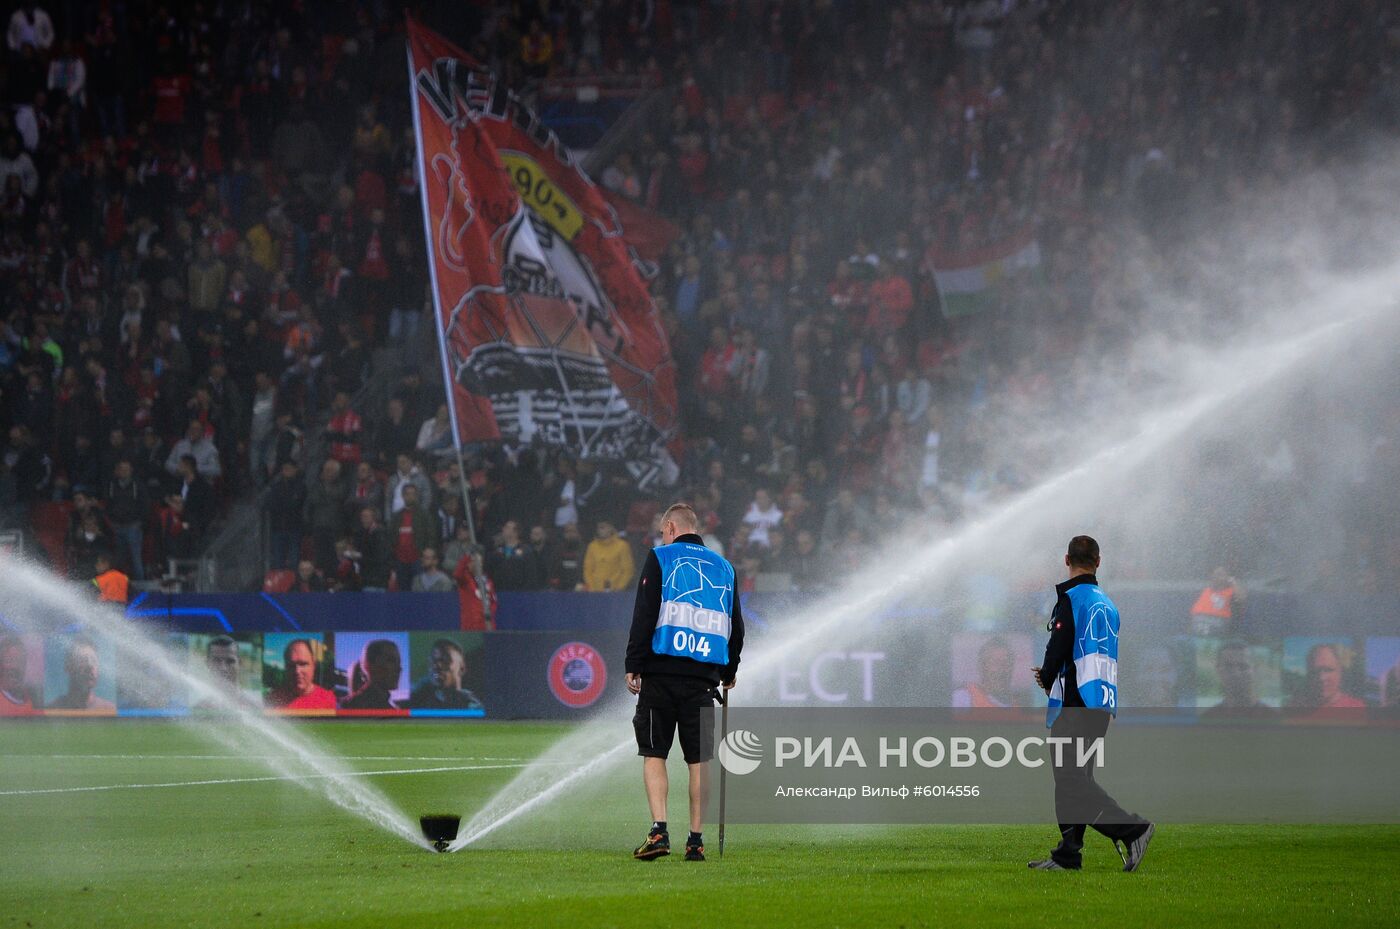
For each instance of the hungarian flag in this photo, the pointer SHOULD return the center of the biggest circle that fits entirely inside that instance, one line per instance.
(967, 280)
(547, 331)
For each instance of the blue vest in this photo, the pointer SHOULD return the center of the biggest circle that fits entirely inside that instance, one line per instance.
(697, 598)
(1095, 652)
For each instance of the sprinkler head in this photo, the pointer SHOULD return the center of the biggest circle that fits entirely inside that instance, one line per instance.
(440, 829)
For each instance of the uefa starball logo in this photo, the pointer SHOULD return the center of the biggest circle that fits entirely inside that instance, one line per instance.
(741, 752)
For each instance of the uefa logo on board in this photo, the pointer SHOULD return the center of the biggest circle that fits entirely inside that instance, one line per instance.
(577, 675)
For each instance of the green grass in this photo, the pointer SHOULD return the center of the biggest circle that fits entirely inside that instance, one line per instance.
(273, 854)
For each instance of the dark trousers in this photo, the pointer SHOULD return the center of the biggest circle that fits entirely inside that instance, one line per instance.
(285, 548)
(406, 571)
(1079, 800)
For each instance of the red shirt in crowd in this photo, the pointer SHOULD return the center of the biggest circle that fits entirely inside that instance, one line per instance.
(346, 447)
(405, 549)
(473, 611)
(714, 369)
(891, 300)
(170, 98)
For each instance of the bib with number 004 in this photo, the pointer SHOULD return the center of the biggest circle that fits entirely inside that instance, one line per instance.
(697, 596)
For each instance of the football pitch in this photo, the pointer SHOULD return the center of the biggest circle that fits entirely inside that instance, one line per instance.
(205, 839)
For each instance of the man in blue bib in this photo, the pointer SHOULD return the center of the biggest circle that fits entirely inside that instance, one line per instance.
(687, 632)
(1080, 677)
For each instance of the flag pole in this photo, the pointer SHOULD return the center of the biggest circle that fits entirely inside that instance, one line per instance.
(448, 384)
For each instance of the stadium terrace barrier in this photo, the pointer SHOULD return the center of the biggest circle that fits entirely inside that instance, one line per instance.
(984, 607)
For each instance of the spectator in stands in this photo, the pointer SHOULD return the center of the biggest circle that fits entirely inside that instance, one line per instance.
(1218, 605)
(370, 549)
(16, 163)
(747, 455)
(195, 444)
(808, 567)
(536, 51)
(478, 612)
(435, 435)
(367, 490)
(285, 506)
(30, 28)
(748, 366)
(778, 558)
(287, 441)
(716, 365)
(607, 564)
(412, 529)
(177, 536)
(113, 586)
(843, 518)
(890, 301)
(430, 577)
(308, 579)
(325, 517)
(543, 551)
(565, 570)
(343, 430)
(198, 498)
(512, 564)
(394, 433)
(90, 541)
(127, 508)
(30, 465)
(117, 448)
(263, 428)
(458, 547)
(346, 576)
(762, 516)
(449, 517)
(406, 474)
(207, 277)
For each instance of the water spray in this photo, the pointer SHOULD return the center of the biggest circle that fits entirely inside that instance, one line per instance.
(1061, 498)
(39, 602)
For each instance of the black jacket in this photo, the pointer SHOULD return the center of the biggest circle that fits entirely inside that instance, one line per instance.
(642, 660)
(284, 503)
(126, 503)
(1059, 651)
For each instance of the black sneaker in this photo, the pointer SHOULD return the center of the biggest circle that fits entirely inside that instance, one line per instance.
(695, 853)
(1133, 852)
(1048, 864)
(658, 844)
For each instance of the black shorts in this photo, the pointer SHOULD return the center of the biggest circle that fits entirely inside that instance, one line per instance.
(669, 702)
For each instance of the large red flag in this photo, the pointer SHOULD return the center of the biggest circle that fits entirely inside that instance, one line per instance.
(547, 331)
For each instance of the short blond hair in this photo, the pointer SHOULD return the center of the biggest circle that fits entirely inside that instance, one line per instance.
(683, 515)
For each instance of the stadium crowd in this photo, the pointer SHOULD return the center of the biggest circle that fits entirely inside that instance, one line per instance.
(211, 222)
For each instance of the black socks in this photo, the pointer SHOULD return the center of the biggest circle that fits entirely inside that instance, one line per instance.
(658, 827)
(693, 839)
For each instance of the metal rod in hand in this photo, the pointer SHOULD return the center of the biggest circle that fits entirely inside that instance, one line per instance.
(723, 734)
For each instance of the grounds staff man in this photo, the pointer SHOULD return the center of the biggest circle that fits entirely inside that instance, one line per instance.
(687, 632)
(1080, 675)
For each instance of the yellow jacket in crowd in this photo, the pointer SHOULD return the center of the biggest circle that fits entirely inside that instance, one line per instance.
(607, 565)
